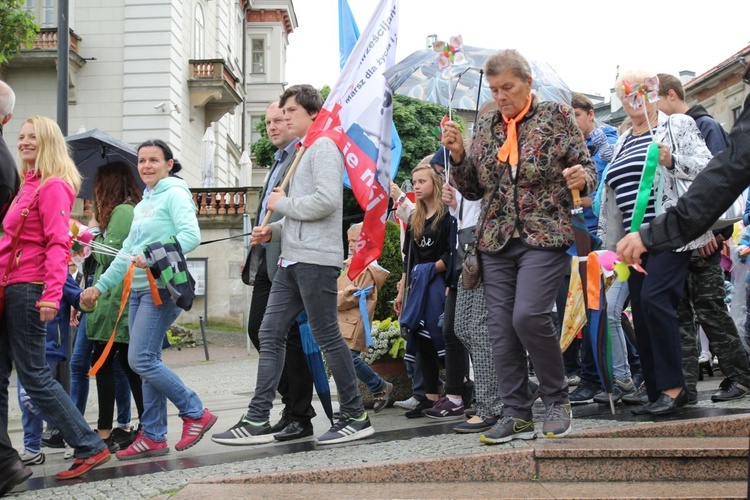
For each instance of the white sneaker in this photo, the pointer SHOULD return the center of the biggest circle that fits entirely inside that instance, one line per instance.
(705, 357)
(408, 404)
(31, 457)
(69, 452)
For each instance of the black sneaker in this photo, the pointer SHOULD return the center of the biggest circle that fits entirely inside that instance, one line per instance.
(122, 437)
(112, 445)
(245, 432)
(423, 405)
(728, 390)
(55, 440)
(348, 429)
(583, 394)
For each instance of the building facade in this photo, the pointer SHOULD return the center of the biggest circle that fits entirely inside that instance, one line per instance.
(176, 70)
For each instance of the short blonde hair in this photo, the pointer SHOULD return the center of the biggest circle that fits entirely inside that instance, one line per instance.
(634, 76)
(354, 229)
(52, 158)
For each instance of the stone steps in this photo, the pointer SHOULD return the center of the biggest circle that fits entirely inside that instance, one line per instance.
(475, 491)
(701, 458)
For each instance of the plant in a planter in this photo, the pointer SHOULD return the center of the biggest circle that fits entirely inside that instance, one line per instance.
(387, 342)
(386, 358)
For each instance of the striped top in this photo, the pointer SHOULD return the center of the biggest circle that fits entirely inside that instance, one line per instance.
(624, 176)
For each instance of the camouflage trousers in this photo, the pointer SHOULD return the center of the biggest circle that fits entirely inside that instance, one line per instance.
(703, 303)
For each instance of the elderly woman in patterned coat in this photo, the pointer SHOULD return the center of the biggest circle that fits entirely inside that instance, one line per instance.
(523, 161)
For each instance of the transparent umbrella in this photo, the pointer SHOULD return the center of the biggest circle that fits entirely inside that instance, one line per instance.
(418, 76)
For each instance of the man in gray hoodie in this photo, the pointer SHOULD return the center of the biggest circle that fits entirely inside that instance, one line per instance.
(312, 254)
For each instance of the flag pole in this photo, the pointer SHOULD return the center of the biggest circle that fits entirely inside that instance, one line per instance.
(285, 182)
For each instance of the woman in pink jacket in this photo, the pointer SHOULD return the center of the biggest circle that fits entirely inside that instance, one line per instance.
(33, 263)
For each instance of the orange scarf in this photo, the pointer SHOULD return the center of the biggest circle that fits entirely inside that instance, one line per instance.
(509, 150)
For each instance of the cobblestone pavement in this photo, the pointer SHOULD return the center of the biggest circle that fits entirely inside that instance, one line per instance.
(225, 384)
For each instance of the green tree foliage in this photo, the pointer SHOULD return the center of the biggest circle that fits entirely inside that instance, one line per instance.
(416, 122)
(262, 150)
(18, 28)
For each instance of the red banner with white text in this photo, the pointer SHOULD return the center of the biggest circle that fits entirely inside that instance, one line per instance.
(358, 117)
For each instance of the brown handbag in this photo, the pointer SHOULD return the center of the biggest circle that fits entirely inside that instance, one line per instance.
(471, 271)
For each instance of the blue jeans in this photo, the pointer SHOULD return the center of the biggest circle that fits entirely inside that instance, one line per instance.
(414, 371)
(23, 340)
(148, 327)
(32, 419)
(617, 295)
(313, 288)
(80, 364)
(368, 377)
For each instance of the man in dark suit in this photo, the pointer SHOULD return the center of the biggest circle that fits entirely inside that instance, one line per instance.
(296, 383)
(14, 471)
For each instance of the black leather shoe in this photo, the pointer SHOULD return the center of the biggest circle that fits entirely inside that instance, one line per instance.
(666, 404)
(295, 430)
(279, 426)
(14, 475)
(642, 409)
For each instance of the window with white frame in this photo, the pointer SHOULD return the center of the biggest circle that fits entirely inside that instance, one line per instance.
(45, 12)
(258, 61)
(199, 34)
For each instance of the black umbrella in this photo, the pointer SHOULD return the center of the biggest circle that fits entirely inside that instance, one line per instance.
(94, 148)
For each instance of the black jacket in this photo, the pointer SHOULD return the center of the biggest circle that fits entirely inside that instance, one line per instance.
(9, 178)
(713, 191)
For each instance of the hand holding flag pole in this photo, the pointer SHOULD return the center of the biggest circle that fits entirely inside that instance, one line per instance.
(283, 186)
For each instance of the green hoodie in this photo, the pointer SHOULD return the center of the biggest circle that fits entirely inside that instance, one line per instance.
(167, 210)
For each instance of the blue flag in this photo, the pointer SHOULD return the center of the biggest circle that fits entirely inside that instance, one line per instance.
(348, 36)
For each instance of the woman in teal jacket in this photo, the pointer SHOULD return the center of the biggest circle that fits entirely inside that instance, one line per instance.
(167, 209)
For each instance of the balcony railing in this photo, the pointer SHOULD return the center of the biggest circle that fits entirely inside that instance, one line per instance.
(47, 40)
(213, 201)
(43, 51)
(213, 86)
(220, 201)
